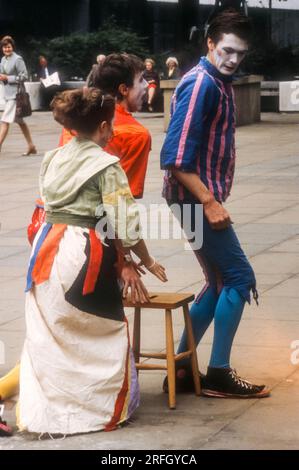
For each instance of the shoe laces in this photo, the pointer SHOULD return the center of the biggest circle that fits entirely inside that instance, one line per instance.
(237, 379)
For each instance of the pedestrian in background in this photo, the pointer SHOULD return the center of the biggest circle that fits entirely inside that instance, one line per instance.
(12, 72)
(173, 71)
(152, 78)
(89, 80)
(47, 92)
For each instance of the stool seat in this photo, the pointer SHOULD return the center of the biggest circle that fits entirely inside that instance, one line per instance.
(167, 301)
(171, 300)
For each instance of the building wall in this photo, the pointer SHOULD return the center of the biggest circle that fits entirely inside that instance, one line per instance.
(165, 24)
(285, 27)
(48, 19)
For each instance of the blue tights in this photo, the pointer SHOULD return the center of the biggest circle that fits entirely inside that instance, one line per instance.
(226, 309)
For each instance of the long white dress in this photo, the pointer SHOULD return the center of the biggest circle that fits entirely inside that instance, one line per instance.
(77, 369)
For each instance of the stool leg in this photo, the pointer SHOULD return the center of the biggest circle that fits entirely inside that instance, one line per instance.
(192, 348)
(170, 360)
(136, 334)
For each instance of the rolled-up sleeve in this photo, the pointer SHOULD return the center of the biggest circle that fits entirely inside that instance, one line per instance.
(119, 205)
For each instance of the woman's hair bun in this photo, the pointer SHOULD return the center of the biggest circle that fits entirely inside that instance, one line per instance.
(83, 109)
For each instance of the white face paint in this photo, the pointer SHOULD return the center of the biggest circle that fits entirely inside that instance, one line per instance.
(228, 53)
(136, 93)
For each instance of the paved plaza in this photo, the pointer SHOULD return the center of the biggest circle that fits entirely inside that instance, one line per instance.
(265, 209)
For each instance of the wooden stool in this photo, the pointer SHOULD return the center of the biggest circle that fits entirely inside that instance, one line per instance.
(169, 302)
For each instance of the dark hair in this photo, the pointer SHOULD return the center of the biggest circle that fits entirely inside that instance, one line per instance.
(83, 110)
(8, 40)
(230, 21)
(115, 70)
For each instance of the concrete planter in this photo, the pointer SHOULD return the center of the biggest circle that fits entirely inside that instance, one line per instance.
(34, 90)
(248, 99)
(247, 96)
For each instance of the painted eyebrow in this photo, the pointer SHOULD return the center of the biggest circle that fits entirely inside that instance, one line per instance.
(230, 49)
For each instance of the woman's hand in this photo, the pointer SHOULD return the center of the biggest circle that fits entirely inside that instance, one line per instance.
(217, 216)
(3, 78)
(133, 283)
(157, 270)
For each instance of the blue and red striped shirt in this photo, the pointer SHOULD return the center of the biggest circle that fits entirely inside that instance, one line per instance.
(201, 134)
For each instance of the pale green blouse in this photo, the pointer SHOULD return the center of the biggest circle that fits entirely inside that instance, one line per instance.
(82, 182)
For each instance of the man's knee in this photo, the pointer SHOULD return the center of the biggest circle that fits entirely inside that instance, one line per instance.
(249, 276)
(244, 282)
(241, 275)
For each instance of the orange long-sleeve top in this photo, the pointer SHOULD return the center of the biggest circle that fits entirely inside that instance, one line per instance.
(131, 143)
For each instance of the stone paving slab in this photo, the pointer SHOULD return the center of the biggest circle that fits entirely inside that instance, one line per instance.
(265, 207)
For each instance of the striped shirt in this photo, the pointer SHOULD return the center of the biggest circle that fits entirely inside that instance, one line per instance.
(201, 133)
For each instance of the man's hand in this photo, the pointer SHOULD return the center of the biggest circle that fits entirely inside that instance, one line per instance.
(3, 78)
(217, 216)
(132, 282)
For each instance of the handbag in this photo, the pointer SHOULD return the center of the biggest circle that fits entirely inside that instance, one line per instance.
(23, 106)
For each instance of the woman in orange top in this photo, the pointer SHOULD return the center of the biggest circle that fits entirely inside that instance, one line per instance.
(121, 76)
